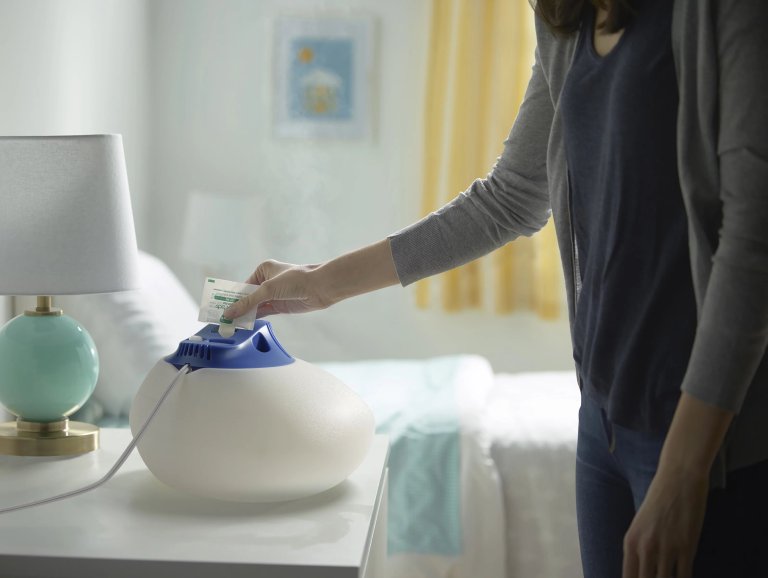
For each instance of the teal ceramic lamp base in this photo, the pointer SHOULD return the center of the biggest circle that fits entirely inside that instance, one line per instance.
(48, 370)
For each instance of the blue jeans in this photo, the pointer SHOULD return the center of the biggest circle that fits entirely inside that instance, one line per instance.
(615, 466)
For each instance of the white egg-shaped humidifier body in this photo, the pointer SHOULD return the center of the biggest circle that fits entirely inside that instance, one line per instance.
(249, 423)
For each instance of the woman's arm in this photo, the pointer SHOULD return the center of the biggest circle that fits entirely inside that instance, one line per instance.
(361, 271)
(732, 332)
(664, 534)
(287, 288)
(513, 200)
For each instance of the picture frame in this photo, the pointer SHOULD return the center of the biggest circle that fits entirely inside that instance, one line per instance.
(323, 74)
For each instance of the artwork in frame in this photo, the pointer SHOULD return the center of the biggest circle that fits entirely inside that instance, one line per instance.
(323, 75)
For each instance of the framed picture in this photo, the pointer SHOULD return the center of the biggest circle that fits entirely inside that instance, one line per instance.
(323, 75)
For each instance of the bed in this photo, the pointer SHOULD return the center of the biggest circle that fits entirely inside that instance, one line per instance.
(531, 420)
(481, 465)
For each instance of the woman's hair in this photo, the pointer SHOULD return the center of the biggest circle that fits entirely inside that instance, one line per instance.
(564, 16)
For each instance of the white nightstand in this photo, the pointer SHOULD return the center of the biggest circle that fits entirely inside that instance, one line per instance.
(135, 526)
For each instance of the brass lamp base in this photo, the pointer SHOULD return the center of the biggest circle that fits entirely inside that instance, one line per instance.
(61, 438)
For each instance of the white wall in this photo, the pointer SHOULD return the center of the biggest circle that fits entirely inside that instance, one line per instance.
(188, 84)
(211, 114)
(78, 67)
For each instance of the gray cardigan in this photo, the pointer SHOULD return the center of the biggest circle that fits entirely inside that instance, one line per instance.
(720, 50)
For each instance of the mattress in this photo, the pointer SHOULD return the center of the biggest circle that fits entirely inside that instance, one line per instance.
(531, 420)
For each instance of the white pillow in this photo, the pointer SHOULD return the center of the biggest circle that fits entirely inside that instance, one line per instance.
(133, 329)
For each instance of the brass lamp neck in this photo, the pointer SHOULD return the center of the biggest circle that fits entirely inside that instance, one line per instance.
(44, 307)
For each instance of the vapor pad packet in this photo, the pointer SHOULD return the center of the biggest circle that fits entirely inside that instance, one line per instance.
(218, 295)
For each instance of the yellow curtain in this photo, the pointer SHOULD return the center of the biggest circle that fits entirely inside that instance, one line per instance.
(480, 58)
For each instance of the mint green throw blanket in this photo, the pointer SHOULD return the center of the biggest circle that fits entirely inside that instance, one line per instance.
(413, 402)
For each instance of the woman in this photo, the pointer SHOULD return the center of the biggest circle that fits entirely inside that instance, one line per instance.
(644, 131)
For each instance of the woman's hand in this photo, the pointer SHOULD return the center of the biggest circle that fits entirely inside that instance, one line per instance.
(286, 288)
(283, 288)
(663, 538)
(664, 535)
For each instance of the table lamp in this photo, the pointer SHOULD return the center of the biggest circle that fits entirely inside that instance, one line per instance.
(66, 227)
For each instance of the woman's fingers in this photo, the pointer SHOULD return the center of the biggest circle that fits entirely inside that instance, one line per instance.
(241, 307)
(684, 567)
(266, 309)
(266, 271)
(282, 288)
(279, 307)
(665, 567)
(647, 561)
(631, 565)
(662, 539)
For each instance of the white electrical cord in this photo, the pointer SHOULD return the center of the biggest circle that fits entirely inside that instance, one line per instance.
(118, 464)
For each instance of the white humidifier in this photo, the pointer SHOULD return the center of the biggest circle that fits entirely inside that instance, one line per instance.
(249, 422)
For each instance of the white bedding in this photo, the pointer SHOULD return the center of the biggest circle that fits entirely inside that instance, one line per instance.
(386, 386)
(518, 444)
(531, 420)
(482, 516)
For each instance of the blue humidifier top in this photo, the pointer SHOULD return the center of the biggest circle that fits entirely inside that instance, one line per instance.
(257, 348)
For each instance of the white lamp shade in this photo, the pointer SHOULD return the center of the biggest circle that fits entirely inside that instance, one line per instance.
(66, 225)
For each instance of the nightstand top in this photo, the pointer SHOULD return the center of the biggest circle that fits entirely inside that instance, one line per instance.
(151, 528)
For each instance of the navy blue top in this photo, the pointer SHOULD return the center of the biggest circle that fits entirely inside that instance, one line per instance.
(635, 314)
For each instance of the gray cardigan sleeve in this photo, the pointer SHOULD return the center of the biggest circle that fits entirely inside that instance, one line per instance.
(512, 200)
(732, 332)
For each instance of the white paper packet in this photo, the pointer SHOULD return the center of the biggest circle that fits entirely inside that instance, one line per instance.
(218, 295)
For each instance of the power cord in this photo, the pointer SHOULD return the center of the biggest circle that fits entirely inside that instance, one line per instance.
(118, 464)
